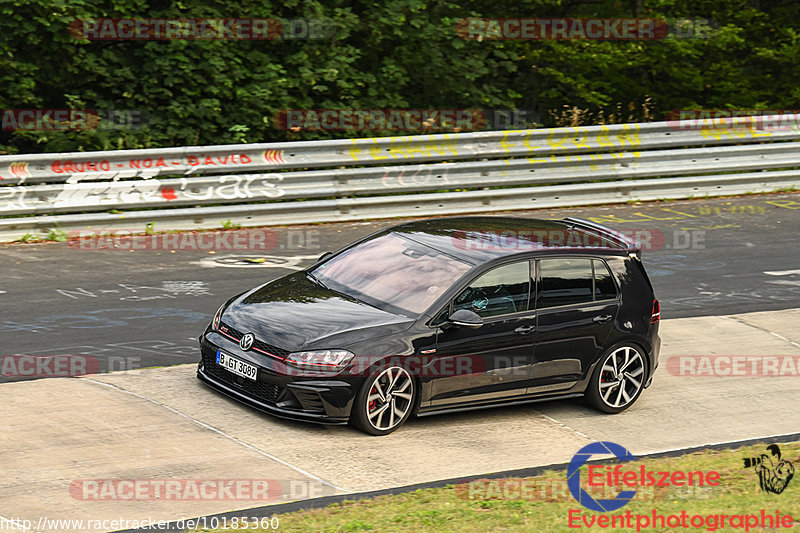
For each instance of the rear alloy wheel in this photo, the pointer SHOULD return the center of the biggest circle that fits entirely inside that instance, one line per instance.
(618, 380)
(384, 402)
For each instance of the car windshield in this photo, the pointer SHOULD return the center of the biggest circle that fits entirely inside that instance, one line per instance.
(392, 271)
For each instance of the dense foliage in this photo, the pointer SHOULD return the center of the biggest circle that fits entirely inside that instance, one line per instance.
(396, 54)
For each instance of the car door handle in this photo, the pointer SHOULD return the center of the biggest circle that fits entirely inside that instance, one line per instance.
(601, 318)
(524, 329)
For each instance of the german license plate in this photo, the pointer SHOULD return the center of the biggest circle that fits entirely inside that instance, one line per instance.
(237, 366)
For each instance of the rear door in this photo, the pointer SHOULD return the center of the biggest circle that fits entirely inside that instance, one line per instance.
(576, 302)
(492, 361)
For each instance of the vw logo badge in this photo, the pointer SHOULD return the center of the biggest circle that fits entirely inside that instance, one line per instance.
(246, 341)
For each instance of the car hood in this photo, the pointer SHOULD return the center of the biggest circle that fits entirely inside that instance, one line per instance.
(296, 313)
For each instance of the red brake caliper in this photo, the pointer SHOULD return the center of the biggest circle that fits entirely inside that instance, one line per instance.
(371, 404)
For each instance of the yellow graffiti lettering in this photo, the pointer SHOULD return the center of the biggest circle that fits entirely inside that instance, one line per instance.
(604, 137)
(718, 226)
(629, 135)
(375, 152)
(677, 212)
(505, 144)
(612, 219)
(580, 142)
(553, 143)
(399, 150)
(651, 217)
(354, 151)
(788, 204)
(415, 148)
(441, 147)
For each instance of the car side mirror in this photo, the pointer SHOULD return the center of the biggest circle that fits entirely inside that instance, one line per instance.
(465, 318)
(324, 256)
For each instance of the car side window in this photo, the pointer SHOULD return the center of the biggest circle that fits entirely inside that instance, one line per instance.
(565, 281)
(500, 291)
(442, 317)
(604, 287)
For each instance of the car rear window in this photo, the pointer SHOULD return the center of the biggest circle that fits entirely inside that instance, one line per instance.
(392, 271)
(604, 287)
(565, 281)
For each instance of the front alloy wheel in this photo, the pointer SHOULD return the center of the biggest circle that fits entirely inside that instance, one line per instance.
(618, 380)
(384, 402)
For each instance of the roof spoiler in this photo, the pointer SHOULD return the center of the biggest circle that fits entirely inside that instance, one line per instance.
(621, 239)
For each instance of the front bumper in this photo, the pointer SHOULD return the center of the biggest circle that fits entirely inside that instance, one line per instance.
(325, 401)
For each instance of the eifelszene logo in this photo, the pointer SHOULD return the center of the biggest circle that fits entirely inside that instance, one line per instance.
(574, 476)
(638, 477)
(774, 473)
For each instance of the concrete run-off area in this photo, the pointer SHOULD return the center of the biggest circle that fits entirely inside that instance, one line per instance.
(83, 446)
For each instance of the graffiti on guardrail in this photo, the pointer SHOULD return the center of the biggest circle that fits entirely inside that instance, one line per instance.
(522, 142)
(75, 167)
(403, 147)
(498, 160)
(118, 193)
(19, 169)
(418, 178)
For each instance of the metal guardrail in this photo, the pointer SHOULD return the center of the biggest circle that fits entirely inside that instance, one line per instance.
(352, 179)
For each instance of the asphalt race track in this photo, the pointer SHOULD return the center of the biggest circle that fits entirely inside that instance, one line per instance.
(725, 271)
(143, 308)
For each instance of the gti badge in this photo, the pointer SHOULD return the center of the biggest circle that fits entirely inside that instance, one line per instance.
(246, 342)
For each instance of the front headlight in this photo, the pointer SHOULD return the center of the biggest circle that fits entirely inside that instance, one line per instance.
(217, 318)
(321, 358)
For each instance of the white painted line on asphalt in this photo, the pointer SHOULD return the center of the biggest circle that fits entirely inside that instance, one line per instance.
(794, 282)
(784, 338)
(222, 433)
(563, 425)
(781, 337)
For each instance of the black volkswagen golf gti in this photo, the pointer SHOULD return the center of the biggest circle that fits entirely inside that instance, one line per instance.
(440, 315)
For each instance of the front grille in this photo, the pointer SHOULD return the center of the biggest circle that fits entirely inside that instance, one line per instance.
(271, 349)
(264, 392)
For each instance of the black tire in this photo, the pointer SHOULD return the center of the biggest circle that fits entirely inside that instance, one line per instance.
(366, 412)
(616, 384)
